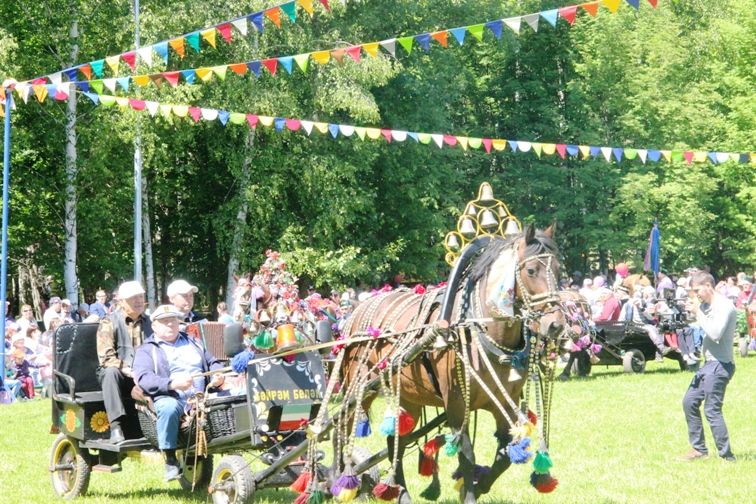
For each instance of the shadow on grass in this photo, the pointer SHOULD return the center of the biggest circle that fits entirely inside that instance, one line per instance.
(199, 495)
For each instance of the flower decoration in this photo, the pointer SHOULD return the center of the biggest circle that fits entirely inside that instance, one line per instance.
(99, 422)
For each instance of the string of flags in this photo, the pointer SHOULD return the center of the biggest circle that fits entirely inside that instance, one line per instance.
(177, 46)
(323, 57)
(440, 140)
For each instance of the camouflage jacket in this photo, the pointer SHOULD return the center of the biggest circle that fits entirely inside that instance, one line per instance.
(118, 337)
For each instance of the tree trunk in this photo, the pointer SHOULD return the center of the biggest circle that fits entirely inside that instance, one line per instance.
(149, 266)
(241, 221)
(69, 272)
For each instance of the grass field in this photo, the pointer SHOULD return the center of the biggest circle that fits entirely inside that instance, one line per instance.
(615, 439)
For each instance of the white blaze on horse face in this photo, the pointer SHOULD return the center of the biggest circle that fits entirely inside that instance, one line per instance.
(500, 288)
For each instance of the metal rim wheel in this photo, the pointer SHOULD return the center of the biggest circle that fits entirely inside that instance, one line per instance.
(633, 361)
(232, 481)
(203, 472)
(69, 467)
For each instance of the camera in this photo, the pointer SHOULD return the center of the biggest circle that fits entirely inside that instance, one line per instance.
(677, 318)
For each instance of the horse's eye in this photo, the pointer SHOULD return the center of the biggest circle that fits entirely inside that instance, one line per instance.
(531, 271)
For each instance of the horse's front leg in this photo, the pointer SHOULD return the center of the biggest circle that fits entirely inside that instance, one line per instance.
(500, 464)
(466, 458)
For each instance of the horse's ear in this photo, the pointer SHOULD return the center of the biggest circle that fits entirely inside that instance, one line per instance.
(530, 232)
(551, 230)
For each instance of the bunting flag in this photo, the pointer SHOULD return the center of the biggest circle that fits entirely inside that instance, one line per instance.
(372, 49)
(464, 142)
(178, 44)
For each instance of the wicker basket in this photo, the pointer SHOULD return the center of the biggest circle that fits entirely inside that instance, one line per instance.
(148, 423)
(220, 419)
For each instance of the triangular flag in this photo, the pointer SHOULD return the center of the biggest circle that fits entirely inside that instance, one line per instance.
(271, 64)
(676, 155)
(371, 49)
(476, 31)
(195, 113)
(346, 130)
(406, 42)
(162, 50)
(699, 156)
(321, 57)
(386, 134)
(204, 73)
(220, 71)
(171, 77)
(123, 103)
(124, 82)
(499, 145)
(238, 68)
(424, 41)
(178, 45)
(360, 132)
(562, 150)
(654, 155)
(373, 133)
(137, 104)
(307, 126)
(40, 91)
(514, 23)
(141, 80)
(653, 3)
(513, 144)
(97, 67)
(636, 5)
(113, 62)
(307, 6)
(572, 150)
(487, 145)
(595, 151)
(321, 127)
(225, 31)
(713, 157)
(643, 154)
(130, 59)
(667, 155)
(286, 62)
(252, 120)
(547, 149)
(209, 36)
(462, 141)
(338, 55)
(110, 84)
(424, 138)
(209, 114)
(495, 27)
(532, 20)
(302, 61)
(399, 136)
(193, 39)
(355, 53)
(293, 124)
(438, 139)
(165, 110)
(56, 78)
(223, 116)
(236, 118)
(617, 151)
(325, 4)
(591, 8)
(96, 85)
(189, 75)
(688, 155)
(389, 45)
(61, 92)
(180, 110)
(475, 143)
(524, 146)
(459, 34)
(722, 157)
(612, 5)
(92, 96)
(274, 15)
(568, 13)
(241, 25)
(551, 16)
(146, 54)
(257, 21)
(291, 10)
(107, 101)
(442, 37)
(585, 151)
(631, 153)
(607, 152)
(86, 70)
(254, 67)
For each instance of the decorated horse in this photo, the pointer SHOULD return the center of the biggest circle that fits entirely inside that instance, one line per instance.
(632, 281)
(471, 345)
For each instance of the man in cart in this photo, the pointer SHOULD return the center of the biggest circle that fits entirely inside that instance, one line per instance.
(171, 367)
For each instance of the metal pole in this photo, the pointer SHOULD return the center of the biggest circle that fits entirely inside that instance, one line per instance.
(4, 267)
(137, 175)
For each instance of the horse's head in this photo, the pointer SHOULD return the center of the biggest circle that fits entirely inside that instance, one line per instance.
(537, 276)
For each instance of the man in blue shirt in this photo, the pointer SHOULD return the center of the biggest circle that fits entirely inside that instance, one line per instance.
(169, 368)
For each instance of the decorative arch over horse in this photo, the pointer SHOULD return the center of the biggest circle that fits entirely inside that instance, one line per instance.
(499, 311)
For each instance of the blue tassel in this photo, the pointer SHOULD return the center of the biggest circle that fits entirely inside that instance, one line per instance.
(240, 361)
(363, 428)
(518, 452)
(388, 426)
(452, 445)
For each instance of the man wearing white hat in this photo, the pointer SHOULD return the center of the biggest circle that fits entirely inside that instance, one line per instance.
(118, 337)
(181, 295)
(169, 368)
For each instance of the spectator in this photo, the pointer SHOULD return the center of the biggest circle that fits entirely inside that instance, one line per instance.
(22, 373)
(610, 307)
(745, 293)
(26, 319)
(100, 307)
(223, 315)
(66, 312)
(181, 295)
(663, 282)
(54, 312)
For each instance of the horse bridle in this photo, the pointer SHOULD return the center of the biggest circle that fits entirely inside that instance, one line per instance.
(549, 298)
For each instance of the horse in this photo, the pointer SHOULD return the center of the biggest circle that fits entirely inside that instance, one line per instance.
(526, 263)
(631, 281)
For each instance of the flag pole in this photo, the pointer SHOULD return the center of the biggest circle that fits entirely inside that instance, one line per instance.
(6, 180)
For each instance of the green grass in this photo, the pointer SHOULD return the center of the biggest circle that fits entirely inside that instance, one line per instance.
(615, 439)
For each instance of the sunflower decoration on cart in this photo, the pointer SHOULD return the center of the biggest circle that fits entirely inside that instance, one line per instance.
(99, 422)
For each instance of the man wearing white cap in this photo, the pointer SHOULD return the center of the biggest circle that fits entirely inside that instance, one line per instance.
(118, 337)
(169, 368)
(181, 295)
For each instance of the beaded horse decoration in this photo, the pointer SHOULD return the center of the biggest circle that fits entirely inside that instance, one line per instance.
(455, 347)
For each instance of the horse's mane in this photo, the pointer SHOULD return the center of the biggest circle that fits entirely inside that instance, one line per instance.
(540, 244)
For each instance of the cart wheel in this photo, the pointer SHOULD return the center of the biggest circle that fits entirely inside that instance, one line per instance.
(370, 478)
(743, 346)
(69, 468)
(199, 475)
(633, 361)
(232, 481)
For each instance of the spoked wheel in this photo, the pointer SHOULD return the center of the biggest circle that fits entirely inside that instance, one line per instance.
(232, 481)
(633, 361)
(199, 476)
(69, 468)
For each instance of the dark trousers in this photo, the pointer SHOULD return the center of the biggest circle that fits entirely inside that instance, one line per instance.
(116, 391)
(708, 386)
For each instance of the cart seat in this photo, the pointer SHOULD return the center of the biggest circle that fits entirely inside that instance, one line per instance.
(83, 397)
(75, 361)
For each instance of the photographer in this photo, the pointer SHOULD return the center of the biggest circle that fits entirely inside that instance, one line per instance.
(716, 316)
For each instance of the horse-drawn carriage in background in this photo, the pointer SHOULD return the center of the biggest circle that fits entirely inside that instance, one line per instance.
(478, 342)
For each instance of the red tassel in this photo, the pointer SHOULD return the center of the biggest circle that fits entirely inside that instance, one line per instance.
(386, 492)
(406, 423)
(300, 484)
(427, 466)
(302, 499)
(548, 486)
(432, 447)
(532, 417)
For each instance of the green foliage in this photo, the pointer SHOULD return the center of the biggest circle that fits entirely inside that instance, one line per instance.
(345, 211)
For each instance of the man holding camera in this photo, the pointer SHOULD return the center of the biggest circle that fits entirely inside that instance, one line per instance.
(716, 316)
